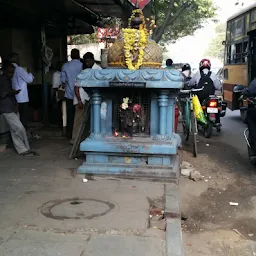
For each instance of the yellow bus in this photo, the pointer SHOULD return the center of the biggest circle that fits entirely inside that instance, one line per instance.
(240, 56)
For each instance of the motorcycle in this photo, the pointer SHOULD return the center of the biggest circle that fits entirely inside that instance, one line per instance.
(214, 108)
(251, 150)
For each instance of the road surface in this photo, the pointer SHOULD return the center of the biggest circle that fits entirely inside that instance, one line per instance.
(232, 132)
(211, 225)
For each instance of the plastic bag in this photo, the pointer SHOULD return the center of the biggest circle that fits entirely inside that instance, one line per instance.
(198, 110)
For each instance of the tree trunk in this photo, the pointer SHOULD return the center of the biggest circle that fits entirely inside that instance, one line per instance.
(157, 36)
(159, 32)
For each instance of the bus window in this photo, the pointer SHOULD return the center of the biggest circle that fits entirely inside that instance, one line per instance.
(233, 53)
(225, 74)
(228, 55)
(245, 52)
(237, 53)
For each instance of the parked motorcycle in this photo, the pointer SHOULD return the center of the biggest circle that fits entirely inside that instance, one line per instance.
(214, 108)
(251, 127)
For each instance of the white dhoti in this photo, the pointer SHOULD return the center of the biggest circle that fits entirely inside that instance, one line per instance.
(18, 132)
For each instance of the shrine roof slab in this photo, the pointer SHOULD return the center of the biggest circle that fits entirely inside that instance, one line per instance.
(143, 78)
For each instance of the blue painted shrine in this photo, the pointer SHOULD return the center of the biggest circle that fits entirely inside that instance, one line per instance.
(149, 148)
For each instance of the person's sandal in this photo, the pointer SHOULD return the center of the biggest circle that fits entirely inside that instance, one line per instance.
(30, 153)
(35, 153)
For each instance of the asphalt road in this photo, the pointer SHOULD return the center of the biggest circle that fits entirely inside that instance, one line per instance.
(232, 132)
(228, 144)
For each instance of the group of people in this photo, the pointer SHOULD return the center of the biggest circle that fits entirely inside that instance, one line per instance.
(14, 102)
(14, 93)
(75, 97)
(14, 96)
(204, 78)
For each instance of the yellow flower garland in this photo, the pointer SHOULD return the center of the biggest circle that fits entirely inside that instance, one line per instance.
(135, 41)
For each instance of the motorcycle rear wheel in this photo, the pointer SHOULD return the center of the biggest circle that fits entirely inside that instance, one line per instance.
(243, 115)
(208, 130)
(252, 156)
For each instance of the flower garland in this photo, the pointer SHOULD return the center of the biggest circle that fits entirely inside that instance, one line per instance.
(135, 42)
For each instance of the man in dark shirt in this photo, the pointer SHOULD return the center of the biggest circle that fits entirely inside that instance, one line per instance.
(9, 110)
(251, 89)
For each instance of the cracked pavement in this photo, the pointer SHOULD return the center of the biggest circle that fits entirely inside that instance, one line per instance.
(28, 183)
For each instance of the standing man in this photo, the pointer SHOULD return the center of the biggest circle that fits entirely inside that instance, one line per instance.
(57, 102)
(81, 97)
(56, 83)
(20, 81)
(9, 110)
(169, 64)
(68, 75)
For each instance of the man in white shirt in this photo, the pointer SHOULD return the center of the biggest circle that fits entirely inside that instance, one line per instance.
(9, 110)
(20, 81)
(81, 97)
(68, 75)
(56, 83)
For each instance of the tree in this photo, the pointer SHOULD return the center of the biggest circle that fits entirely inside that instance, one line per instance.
(174, 19)
(216, 48)
(83, 39)
(178, 18)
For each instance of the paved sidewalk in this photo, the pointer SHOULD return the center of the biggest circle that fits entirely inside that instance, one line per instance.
(46, 210)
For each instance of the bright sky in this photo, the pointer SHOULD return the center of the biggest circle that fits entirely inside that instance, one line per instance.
(191, 48)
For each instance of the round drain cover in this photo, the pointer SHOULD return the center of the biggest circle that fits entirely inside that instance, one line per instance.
(76, 208)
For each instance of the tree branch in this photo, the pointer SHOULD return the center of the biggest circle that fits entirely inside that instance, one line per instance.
(168, 12)
(156, 12)
(168, 21)
(174, 18)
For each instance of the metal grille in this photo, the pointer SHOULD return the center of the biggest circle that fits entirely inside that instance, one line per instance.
(141, 97)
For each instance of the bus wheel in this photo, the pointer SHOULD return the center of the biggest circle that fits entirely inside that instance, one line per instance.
(243, 114)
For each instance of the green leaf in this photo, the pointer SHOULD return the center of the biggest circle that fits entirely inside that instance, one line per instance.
(195, 14)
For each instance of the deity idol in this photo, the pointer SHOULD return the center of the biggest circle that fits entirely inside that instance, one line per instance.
(134, 49)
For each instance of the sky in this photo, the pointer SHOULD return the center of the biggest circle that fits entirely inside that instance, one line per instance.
(191, 49)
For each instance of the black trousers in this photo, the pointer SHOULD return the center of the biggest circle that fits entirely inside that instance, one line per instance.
(23, 111)
(251, 123)
(56, 112)
(70, 117)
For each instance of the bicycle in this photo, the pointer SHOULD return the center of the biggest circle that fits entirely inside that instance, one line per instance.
(189, 121)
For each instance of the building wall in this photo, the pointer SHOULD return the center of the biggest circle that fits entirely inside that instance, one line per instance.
(27, 44)
(5, 42)
(58, 55)
(23, 43)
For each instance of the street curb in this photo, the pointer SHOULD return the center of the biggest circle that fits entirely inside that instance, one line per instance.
(174, 245)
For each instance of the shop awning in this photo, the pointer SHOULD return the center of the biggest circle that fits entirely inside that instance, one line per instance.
(78, 16)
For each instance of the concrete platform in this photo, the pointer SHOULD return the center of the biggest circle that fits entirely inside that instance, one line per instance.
(137, 157)
(26, 184)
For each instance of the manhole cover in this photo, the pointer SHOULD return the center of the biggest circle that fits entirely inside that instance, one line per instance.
(76, 208)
